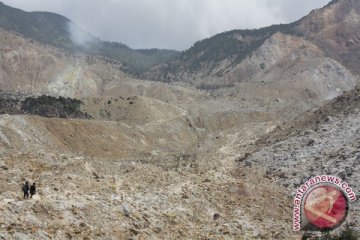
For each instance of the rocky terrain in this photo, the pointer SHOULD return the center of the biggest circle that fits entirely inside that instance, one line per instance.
(58, 31)
(207, 151)
(28, 66)
(291, 55)
(322, 141)
(333, 30)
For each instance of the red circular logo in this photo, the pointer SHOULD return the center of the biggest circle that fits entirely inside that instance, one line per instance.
(326, 207)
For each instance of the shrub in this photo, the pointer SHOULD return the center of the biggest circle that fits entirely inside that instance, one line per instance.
(48, 106)
(214, 86)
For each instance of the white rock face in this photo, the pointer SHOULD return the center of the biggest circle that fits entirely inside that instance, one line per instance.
(329, 145)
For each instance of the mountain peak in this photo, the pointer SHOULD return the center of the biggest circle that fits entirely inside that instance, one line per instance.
(344, 3)
(335, 29)
(344, 13)
(333, 2)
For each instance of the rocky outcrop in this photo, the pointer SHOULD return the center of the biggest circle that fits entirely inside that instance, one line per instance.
(327, 36)
(334, 29)
(323, 141)
(29, 67)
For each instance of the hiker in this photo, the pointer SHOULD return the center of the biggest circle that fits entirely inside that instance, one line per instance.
(32, 190)
(25, 189)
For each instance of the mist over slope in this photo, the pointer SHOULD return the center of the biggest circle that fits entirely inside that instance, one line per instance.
(58, 31)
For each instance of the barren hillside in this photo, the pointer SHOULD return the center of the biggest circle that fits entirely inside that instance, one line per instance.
(322, 141)
(213, 147)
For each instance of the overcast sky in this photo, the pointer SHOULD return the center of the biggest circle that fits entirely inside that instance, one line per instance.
(171, 24)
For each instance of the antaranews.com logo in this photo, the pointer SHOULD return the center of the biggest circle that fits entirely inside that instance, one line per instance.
(322, 203)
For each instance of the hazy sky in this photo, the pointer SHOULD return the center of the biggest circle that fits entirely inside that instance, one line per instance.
(172, 24)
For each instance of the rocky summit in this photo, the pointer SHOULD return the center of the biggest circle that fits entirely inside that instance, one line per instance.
(208, 143)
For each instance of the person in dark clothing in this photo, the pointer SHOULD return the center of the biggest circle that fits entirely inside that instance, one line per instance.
(32, 190)
(25, 189)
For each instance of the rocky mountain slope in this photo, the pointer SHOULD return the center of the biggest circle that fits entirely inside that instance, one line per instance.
(216, 153)
(328, 34)
(28, 66)
(284, 65)
(283, 61)
(288, 67)
(227, 49)
(288, 78)
(335, 30)
(322, 141)
(58, 31)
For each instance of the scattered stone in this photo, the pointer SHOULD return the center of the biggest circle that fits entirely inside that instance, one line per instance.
(126, 210)
(334, 154)
(242, 158)
(311, 142)
(96, 175)
(184, 196)
(329, 119)
(4, 168)
(216, 216)
(342, 175)
(157, 229)
(134, 231)
(282, 175)
(225, 230)
(248, 163)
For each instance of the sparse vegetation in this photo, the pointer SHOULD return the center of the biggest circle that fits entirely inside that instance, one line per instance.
(53, 29)
(214, 86)
(45, 106)
(234, 45)
(48, 106)
(9, 106)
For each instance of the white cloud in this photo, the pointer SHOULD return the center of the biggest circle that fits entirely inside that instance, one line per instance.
(174, 24)
(78, 36)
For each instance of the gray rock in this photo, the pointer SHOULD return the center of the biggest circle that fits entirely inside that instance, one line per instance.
(126, 210)
(216, 216)
(248, 163)
(329, 119)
